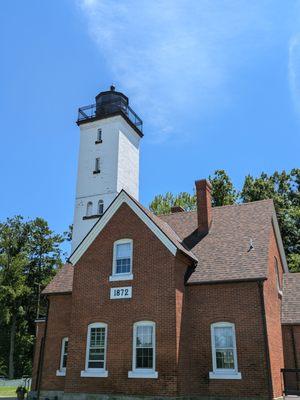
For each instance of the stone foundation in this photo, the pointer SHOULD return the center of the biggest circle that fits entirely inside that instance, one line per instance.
(60, 395)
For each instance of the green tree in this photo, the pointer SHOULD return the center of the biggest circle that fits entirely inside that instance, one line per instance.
(283, 188)
(29, 255)
(223, 192)
(13, 259)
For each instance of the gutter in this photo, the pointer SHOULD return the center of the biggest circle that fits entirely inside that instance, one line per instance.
(226, 281)
(265, 333)
(41, 358)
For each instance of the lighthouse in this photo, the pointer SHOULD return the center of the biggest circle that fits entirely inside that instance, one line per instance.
(110, 133)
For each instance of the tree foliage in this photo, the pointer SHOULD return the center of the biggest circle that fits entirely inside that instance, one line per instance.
(282, 187)
(29, 256)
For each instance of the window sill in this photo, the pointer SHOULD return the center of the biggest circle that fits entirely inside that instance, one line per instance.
(92, 216)
(60, 372)
(144, 375)
(222, 375)
(120, 277)
(94, 374)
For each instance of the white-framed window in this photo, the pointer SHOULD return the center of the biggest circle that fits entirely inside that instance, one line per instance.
(95, 360)
(100, 207)
(143, 351)
(89, 209)
(99, 135)
(63, 357)
(97, 165)
(122, 260)
(278, 281)
(224, 352)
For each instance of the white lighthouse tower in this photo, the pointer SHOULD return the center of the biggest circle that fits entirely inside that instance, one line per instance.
(110, 134)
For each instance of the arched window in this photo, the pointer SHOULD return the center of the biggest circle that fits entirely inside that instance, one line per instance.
(278, 280)
(224, 352)
(100, 207)
(89, 209)
(143, 355)
(96, 344)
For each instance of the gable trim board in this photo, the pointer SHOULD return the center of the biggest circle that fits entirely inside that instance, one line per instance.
(112, 209)
(279, 242)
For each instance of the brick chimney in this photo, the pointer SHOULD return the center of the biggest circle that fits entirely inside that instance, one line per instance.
(203, 189)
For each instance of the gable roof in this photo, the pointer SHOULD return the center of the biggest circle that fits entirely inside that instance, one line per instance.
(223, 254)
(291, 299)
(161, 229)
(62, 281)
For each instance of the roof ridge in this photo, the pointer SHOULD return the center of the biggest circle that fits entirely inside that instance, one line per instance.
(226, 205)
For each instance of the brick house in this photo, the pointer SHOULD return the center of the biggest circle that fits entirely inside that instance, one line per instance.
(181, 305)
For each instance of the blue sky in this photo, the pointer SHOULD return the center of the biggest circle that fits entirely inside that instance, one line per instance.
(217, 84)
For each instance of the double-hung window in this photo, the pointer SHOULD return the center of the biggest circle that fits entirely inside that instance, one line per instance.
(95, 363)
(63, 357)
(143, 356)
(224, 352)
(122, 260)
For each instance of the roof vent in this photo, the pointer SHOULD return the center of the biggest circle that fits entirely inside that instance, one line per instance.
(112, 88)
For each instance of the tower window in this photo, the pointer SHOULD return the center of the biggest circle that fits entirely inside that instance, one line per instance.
(97, 166)
(89, 209)
(99, 136)
(100, 207)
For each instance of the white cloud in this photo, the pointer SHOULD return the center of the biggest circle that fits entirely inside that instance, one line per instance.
(173, 55)
(294, 70)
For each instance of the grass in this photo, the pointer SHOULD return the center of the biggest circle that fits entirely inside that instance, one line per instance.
(8, 391)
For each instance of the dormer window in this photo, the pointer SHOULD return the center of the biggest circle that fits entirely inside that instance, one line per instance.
(99, 136)
(122, 260)
(97, 166)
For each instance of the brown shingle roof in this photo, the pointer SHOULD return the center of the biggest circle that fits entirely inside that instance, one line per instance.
(223, 254)
(167, 230)
(291, 299)
(62, 282)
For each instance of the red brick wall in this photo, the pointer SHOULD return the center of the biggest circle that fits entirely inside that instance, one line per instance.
(238, 303)
(39, 333)
(154, 299)
(291, 345)
(58, 327)
(273, 317)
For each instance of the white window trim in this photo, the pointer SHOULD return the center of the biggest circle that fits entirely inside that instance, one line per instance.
(89, 209)
(94, 372)
(224, 373)
(279, 286)
(62, 370)
(143, 372)
(121, 277)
